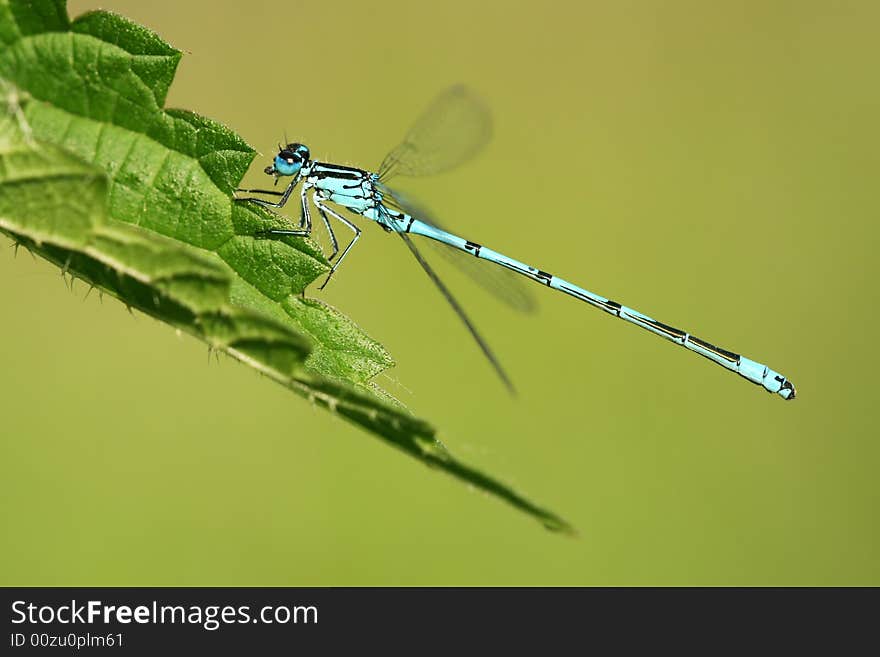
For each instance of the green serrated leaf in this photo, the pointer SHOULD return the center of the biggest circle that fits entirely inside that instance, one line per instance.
(169, 171)
(97, 177)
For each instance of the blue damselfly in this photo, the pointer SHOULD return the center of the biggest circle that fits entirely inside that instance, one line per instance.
(453, 129)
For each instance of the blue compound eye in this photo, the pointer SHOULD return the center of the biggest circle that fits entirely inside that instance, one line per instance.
(287, 163)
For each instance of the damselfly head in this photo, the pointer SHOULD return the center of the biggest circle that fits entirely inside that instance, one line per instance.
(289, 161)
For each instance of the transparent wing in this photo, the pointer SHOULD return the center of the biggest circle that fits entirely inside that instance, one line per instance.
(505, 285)
(462, 315)
(454, 128)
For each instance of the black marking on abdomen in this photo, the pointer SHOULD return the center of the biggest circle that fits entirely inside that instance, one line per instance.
(409, 225)
(473, 248)
(544, 276)
(718, 351)
(610, 306)
(671, 331)
(575, 293)
(788, 386)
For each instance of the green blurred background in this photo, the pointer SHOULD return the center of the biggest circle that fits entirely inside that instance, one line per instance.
(714, 166)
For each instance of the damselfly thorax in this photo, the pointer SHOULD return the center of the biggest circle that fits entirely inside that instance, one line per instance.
(354, 189)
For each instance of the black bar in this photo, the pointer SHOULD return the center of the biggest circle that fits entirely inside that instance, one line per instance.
(418, 621)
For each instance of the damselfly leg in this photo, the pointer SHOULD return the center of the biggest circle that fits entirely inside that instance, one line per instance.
(305, 218)
(357, 233)
(333, 241)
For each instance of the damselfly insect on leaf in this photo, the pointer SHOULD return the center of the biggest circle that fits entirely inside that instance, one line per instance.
(453, 129)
